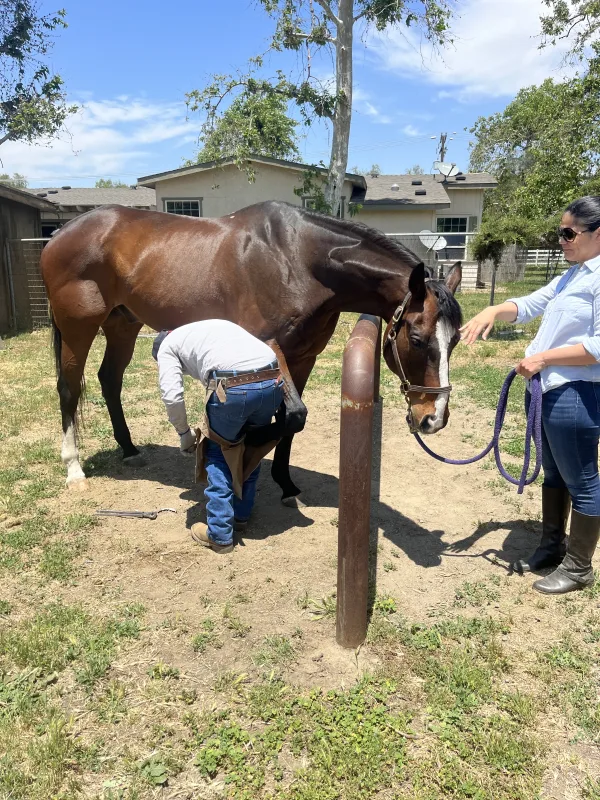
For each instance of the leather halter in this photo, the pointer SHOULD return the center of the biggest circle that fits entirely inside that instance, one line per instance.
(405, 385)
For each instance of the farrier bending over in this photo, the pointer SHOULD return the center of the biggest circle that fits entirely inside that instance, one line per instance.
(566, 353)
(244, 389)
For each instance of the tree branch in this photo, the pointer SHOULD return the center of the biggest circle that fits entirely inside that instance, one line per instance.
(5, 138)
(329, 13)
(301, 35)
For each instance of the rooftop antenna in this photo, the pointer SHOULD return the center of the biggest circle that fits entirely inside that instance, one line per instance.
(445, 169)
(432, 241)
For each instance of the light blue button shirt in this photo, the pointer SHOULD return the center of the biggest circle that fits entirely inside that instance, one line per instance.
(571, 307)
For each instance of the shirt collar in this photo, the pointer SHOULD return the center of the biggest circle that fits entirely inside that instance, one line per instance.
(593, 263)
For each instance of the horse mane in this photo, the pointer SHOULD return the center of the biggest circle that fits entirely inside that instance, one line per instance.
(447, 303)
(448, 306)
(371, 235)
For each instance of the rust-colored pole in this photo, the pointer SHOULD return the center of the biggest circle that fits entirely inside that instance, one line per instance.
(356, 448)
(377, 380)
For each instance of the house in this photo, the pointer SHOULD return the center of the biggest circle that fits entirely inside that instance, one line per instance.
(399, 205)
(20, 218)
(68, 202)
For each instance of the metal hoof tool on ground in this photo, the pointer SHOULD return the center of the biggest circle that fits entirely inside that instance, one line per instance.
(107, 512)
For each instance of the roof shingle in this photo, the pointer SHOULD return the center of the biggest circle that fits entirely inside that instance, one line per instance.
(90, 197)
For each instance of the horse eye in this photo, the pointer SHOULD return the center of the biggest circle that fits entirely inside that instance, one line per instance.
(418, 343)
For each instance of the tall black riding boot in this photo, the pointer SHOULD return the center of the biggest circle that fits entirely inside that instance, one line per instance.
(576, 571)
(553, 545)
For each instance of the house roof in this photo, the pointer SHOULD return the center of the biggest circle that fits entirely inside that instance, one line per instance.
(90, 197)
(429, 191)
(152, 180)
(24, 197)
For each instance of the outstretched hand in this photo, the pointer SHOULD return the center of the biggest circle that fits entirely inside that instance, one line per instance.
(480, 324)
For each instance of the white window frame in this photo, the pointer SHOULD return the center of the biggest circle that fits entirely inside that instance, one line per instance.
(198, 200)
(453, 216)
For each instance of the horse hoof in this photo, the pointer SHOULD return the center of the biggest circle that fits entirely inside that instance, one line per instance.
(137, 460)
(294, 502)
(78, 485)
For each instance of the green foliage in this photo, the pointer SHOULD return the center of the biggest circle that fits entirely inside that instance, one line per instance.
(256, 123)
(17, 181)
(32, 101)
(543, 149)
(416, 169)
(578, 21)
(108, 183)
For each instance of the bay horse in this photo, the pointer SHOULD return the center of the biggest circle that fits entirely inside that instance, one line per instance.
(281, 272)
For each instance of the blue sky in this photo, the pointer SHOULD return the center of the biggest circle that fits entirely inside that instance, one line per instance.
(130, 63)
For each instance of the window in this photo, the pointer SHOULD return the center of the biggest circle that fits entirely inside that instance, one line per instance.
(452, 224)
(309, 202)
(187, 208)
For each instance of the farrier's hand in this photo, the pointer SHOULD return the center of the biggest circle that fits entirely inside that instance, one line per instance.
(187, 442)
(481, 323)
(531, 365)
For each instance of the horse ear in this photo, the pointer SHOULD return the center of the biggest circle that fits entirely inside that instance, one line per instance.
(454, 277)
(416, 283)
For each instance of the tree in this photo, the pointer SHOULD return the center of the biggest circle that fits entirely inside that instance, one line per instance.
(17, 181)
(312, 25)
(578, 21)
(374, 172)
(257, 124)
(544, 148)
(108, 183)
(32, 100)
(416, 169)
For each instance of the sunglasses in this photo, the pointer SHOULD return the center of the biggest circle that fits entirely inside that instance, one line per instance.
(569, 235)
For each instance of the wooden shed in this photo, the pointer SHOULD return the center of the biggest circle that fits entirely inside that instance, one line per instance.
(19, 219)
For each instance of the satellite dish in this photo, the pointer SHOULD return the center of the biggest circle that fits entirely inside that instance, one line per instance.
(437, 165)
(432, 241)
(448, 170)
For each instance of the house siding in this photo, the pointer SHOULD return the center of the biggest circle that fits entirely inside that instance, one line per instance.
(226, 190)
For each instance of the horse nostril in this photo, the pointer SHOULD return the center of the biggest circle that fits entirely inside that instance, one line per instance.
(427, 423)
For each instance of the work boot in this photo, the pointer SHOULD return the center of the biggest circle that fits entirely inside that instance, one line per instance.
(576, 571)
(199, 533)
(553, 545)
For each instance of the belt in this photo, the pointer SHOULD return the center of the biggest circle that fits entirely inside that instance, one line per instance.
(233, 373)
(242, 378)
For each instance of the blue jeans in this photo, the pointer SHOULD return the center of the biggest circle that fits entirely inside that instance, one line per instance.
(570, 433)
(252, 404)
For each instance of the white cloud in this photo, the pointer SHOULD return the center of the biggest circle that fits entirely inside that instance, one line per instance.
(112, 138)
(410, 130)
(495, 52)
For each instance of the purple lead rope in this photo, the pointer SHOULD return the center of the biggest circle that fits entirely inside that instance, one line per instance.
(532, 432)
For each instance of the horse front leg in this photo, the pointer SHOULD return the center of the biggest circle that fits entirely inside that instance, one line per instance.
(121, 334)
(280, 469)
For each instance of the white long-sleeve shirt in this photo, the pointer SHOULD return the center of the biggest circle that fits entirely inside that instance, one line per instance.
(199, 348)
(571, 307)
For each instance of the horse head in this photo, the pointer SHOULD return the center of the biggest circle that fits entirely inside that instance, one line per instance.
(418, 342)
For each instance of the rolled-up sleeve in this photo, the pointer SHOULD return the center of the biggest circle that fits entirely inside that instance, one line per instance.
(170, 378)
(534, 304)
(592, 342)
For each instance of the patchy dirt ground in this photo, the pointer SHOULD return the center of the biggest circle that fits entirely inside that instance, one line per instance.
(442, 541)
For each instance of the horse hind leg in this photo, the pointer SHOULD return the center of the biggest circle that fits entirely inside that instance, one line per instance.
(121, 329)
(71, 351)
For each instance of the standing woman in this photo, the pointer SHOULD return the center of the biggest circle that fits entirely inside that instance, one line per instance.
(566, 353)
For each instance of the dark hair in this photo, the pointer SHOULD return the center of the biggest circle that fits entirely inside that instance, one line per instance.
(158, 340)
(586, 210)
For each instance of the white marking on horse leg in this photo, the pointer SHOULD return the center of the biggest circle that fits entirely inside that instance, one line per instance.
(70, 456)
(443, 332)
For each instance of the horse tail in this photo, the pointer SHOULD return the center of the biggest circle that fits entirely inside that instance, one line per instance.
(56, 344)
